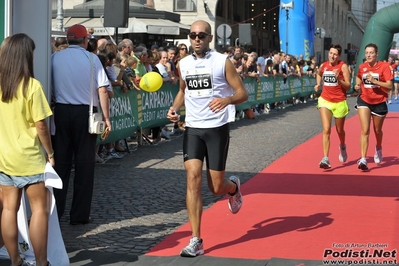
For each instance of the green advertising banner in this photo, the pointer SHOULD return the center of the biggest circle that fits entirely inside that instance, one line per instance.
(308, 83)
(154, 106)
(276, 89)
(2, 21)
(283, 90)
(122, 115)
(252, 87)
(265, 93)
(134, 110)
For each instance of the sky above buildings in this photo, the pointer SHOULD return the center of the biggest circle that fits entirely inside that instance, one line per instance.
(385, 3)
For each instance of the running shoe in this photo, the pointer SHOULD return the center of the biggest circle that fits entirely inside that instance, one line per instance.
(362, 164)
(194, 248)
(325, 163)
(235, 200)
(342, 154)
(378, 155)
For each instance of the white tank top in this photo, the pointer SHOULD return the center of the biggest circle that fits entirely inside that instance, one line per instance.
(205, 80)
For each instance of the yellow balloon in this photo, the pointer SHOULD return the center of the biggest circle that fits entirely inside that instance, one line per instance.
(151, 82)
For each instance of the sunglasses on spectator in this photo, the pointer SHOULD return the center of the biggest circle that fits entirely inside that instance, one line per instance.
(183, 48)
(201, 35)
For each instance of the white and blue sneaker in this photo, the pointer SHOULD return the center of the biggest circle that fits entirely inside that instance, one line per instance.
(194, 248)
(325, 163)
(362, 164)
(114, 154)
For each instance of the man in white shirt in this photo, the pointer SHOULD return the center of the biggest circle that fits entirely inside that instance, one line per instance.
(77, 77)
(261, 62)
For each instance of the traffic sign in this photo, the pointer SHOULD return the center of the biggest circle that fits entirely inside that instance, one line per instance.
(223, 31)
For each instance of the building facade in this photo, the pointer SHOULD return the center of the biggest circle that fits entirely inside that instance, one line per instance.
(342, 20)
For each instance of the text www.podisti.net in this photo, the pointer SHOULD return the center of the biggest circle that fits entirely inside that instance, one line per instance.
(359, 257)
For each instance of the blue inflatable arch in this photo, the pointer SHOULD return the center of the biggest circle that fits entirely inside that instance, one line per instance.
(298, 29)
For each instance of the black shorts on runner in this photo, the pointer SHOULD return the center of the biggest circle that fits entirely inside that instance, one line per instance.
(379, 109)
(209, 143)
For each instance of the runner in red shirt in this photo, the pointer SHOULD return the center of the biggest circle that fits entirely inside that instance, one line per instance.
(332, 103)
(374, 81)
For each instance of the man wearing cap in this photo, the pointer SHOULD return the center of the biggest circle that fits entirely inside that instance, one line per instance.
(73, 71)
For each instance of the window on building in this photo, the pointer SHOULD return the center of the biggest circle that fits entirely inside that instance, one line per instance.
(185, 5)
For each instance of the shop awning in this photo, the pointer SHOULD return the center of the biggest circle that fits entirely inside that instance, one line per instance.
(135, 25)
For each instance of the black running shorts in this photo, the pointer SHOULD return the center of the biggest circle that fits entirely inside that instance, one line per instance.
(380, 109)
(209, 143)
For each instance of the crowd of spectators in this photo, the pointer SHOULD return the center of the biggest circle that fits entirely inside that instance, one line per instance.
(126, 64)
(270, 64)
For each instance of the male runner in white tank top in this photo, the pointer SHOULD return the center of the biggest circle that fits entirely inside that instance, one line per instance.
(209, 89)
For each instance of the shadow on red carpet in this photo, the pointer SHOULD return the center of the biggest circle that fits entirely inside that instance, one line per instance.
(295, 210)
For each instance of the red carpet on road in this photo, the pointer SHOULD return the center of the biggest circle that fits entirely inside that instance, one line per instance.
(295, 210)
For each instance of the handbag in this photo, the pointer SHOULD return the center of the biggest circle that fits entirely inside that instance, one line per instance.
(96, 123)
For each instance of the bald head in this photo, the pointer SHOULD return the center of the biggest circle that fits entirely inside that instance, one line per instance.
(101, 42)
(200, 37)
(201, 24)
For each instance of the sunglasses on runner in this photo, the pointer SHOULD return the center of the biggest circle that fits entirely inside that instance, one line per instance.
(201, 35)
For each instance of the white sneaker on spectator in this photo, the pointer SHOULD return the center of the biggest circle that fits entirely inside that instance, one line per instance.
(114, 154)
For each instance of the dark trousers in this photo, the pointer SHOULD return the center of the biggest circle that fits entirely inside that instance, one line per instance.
(72, 142)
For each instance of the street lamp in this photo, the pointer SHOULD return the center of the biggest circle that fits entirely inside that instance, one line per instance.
(287, 8)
